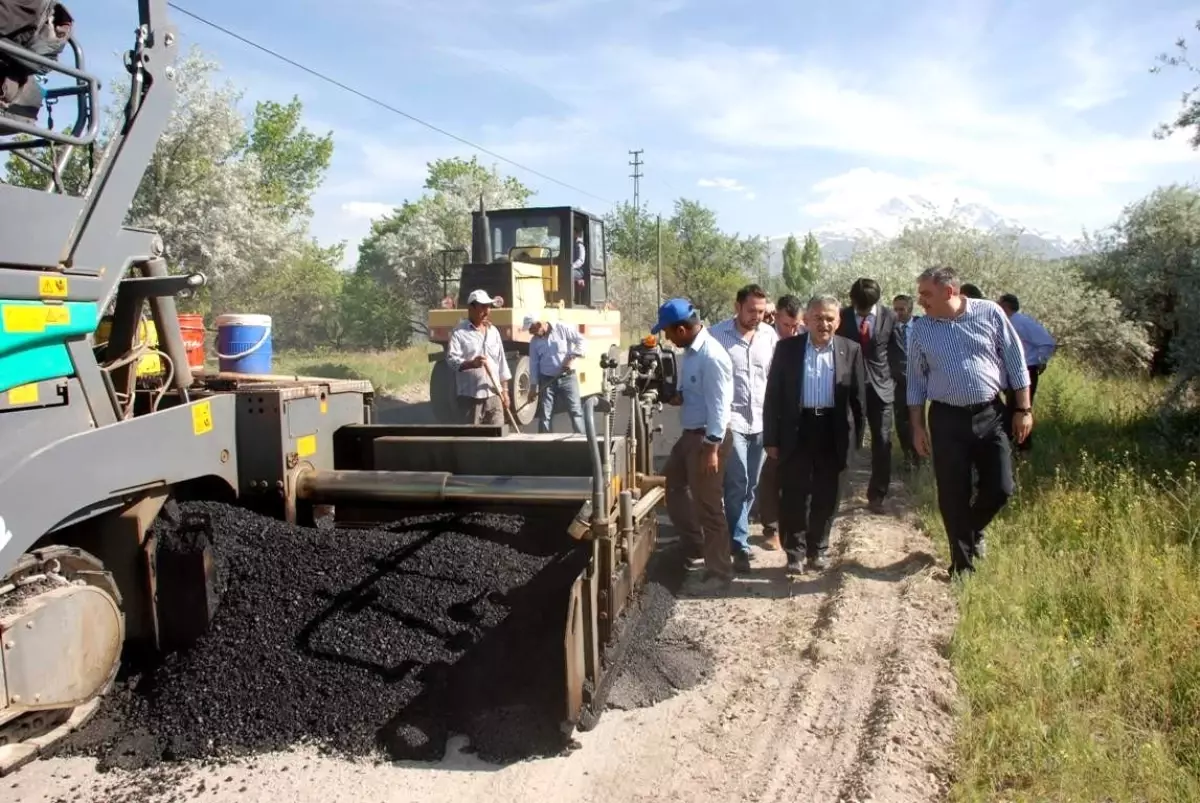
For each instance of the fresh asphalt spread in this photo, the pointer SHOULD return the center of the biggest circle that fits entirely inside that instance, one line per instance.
(367, 641)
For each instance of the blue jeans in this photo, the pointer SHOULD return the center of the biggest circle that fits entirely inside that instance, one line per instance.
(560, 391)
(741, 482)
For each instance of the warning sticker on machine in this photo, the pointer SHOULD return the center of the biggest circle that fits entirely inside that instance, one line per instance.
(52, 286)
(202, 417)
(24, 394)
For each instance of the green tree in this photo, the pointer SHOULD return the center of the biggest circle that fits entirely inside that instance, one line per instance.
(791, 265)
(810, 263)
(404, 249)
(293, 159)
(1149, 259)
(1188, 117)
(710, 266)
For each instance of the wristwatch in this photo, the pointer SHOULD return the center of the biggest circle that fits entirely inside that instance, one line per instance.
(1028, 410)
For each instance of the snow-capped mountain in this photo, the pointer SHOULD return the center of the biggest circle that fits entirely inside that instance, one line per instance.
(839, 240)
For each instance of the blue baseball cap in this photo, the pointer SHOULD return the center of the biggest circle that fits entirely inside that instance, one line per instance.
(677, 310)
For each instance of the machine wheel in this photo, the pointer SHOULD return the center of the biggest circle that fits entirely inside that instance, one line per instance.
(443, 393)
(523, 409)
(67, 580)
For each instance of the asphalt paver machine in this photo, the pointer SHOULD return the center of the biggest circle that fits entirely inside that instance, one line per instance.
(90, 452)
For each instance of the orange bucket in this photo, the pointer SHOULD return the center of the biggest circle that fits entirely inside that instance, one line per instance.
(192, 328)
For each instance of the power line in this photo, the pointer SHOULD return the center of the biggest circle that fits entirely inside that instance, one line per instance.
(380, 103)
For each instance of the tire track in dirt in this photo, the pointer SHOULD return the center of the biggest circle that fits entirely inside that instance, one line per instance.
(821, 739)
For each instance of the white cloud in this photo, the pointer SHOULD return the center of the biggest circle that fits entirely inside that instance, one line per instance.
(367, 210)
(723, 183)
(929, 115)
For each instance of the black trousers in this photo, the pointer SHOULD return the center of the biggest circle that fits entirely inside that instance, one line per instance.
(879, 419)
(965, 439)
(1011, 400)
(810, 485)
(900, 415)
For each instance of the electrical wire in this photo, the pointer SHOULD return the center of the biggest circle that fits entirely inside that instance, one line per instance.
(380, 103)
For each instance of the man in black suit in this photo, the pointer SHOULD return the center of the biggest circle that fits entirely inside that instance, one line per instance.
(902, 305)
(873, 326)
(812, 414)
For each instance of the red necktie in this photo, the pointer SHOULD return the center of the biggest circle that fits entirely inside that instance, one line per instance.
(864, 334)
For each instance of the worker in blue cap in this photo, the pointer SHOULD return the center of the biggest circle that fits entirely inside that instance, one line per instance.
(697, 461)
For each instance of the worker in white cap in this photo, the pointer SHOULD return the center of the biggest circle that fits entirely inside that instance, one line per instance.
(553, 380)
(476, 353)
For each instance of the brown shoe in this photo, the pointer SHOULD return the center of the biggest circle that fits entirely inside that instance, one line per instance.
(770, 541)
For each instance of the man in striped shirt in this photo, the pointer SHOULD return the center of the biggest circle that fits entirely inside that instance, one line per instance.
(961, 356)
(750, 344)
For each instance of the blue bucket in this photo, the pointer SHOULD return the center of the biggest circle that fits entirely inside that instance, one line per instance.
(244, 343)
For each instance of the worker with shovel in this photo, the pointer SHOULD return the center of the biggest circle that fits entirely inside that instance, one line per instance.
(555, 346)
(476, 353)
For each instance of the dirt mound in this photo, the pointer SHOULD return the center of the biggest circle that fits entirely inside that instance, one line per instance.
(354, 641)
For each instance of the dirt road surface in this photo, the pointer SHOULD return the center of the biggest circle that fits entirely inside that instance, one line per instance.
(823, 690)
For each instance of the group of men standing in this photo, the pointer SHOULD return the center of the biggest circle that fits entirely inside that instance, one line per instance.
(775, 399)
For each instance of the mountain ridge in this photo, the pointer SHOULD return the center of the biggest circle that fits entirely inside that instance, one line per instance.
(841, 239)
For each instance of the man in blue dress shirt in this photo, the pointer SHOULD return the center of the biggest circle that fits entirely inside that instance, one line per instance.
(812, 420)
(695, 470)
(552, 351)
(961, 356)
(1039, 346)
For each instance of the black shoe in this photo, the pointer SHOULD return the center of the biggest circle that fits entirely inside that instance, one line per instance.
(795, 565)
(818, 563)
(875, 505)
(741, 563)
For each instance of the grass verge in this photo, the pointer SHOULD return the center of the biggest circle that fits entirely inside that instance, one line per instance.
(388, 371)
(1078, 647)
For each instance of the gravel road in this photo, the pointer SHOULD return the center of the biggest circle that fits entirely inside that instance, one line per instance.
(820, 690)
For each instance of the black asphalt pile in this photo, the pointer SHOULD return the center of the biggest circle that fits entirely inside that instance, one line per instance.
(356, 640)
(663, 657)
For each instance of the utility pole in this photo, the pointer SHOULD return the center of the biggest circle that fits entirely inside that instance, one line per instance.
(636, 175)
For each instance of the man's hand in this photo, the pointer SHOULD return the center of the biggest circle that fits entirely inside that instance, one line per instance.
(675, 400)
(920, 440)
(474, 362)
(708, 458)
(504, 399)
(773, 452)
(1022, 425)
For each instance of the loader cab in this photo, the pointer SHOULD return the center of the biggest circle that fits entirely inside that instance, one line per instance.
(545, 238)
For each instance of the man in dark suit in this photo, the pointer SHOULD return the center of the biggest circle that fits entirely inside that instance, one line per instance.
(902, 305)
(873, 326)
(812, 416)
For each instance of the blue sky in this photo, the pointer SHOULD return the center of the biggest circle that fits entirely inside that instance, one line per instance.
(781, 116)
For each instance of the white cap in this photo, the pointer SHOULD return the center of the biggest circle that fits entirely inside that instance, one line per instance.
(528, 323)
(481, 297)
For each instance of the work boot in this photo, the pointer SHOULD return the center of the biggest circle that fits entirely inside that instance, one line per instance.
(770, 540)
(741, 563)
(818, 562)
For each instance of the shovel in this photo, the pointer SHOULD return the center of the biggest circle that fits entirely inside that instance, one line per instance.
(503, 394)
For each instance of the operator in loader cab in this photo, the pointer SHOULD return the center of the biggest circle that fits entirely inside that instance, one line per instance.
(555, 346)
(697, 461)
(476, 353)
